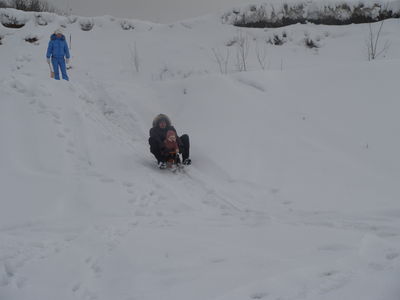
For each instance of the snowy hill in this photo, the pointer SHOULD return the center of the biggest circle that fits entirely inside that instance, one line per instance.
(293, 192)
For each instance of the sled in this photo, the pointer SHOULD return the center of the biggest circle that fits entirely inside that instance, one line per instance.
(51, 70)
(174, 161)
(173, 158)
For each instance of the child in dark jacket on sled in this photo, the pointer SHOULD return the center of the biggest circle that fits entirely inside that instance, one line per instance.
(164, 141)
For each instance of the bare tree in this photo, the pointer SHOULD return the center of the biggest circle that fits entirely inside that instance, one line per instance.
(374, 48)
(222, 60)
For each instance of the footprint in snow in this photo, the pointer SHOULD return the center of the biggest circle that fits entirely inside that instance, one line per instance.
(107, 180)
(97, 270)
(392, 256)
(274, 191)
(128, 184)
(217, 260)
(260, 295)
(93, 173)
(56, 115)
(76, 287)
(132, 200)
(21, 282)
(42, 105)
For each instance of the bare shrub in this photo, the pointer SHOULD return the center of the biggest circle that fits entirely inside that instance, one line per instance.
(242, 51)
(261, 53)
(222, 60)
(32, 5)
(4, 4)
(11, 21)
(127, 25)
(40, 20)
(266, 15)
(163, 73)
(278, 40)
(32, 39)
(373, 44)
(21, 5)
(310, 43)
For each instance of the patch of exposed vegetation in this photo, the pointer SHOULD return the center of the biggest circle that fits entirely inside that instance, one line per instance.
(32, 40)
(268, 16)
(86, 24)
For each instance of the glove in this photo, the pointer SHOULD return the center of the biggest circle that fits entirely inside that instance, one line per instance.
(48, 60)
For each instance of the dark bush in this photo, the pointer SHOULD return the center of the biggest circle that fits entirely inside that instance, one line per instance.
(4, 4)
(40, 20)
(32, 40)
(310, 43)
(10, 21)
(29, 5)
(277, 40)
(86, 25)
(261, 16)
(127, 25)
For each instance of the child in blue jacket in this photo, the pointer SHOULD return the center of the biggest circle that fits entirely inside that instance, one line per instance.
(57, 50)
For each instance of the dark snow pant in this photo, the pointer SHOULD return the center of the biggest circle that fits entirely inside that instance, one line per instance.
(156, 149)
(59, 63)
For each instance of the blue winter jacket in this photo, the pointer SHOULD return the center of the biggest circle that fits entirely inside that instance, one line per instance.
(58, 47)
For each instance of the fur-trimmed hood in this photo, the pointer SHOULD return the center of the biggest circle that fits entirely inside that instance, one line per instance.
(160, 117)
(54, 37)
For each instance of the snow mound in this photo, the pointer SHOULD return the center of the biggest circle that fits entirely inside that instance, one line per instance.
(15, 19)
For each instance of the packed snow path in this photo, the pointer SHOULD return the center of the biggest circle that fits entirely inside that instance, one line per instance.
(293, 191)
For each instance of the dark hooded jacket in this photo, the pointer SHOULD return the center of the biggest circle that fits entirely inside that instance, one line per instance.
(159, 134)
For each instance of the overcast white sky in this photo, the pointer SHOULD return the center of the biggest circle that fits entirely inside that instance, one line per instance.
(162, 11)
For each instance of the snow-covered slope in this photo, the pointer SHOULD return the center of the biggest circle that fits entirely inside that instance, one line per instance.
(293, 192)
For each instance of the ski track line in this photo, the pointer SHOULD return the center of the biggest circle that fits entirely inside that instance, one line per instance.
(382, 227)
